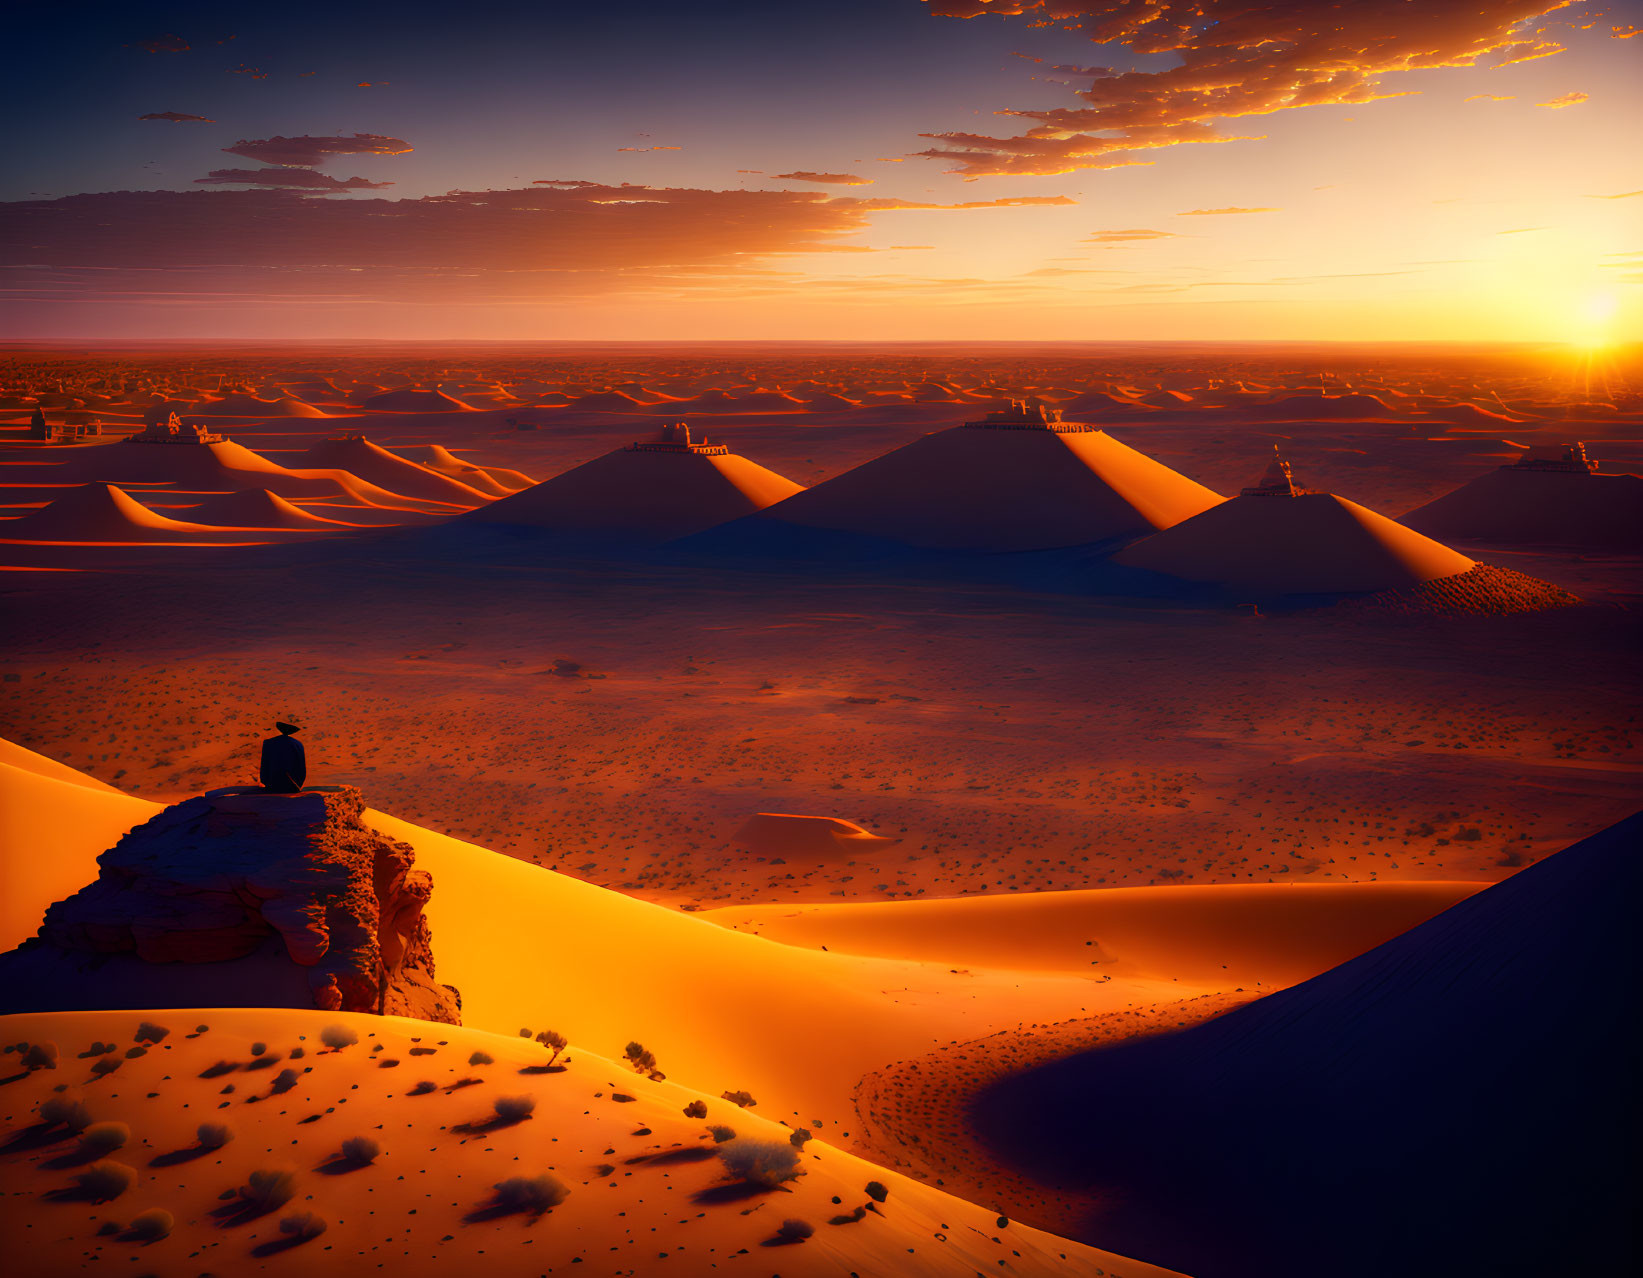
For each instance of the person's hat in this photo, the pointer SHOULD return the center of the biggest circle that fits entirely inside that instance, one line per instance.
(287, 727)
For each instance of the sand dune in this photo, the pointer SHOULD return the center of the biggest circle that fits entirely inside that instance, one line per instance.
(259, 508)
(640, 493)
(1518, 506)
(1461, 1099)
(438, 458)
(51, 831)
(1311, 543)
(641, 1177)
(359, 456)
(406, 400)
(823, 838)
(251, 406)
(1000, 490)
(104, 513)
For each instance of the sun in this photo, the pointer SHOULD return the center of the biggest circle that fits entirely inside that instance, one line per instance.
(1595, 316)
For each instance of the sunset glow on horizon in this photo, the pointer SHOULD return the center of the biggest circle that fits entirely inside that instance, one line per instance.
(895, 170)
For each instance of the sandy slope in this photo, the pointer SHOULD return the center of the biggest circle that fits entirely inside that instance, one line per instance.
(797, 1026)
(643, 1184)
(1314, 543)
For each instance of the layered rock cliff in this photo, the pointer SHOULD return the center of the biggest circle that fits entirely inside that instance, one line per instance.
(240, 898)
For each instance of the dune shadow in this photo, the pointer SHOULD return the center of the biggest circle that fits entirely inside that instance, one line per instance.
(779, 1241)
(690, 1154)
(736, 1192)
(36, 1137)
(542, 1069)
(177, 1156)
(340, 1166)
(73, 1158)
(241, 1212)
(276, 1245)
(13, 1078)
(496, 1211)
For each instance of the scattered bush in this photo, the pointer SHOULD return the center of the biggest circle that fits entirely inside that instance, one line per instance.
(283, 1082)
(744, 1099)
(107, 1065)
(798, 1138)
(795, 1231)
(876, 1191)
(554, 1041)
(721, 1133)
(524, 1033)
(513, 1109)
(1003, 1222)
(266, 1190)
(533, 1194)
(760, 1162)
(150, 1226)
(302, 1225)
(480, 1058)
(213, 1135)
(337, 1037)
(40, 1056)
(423, 1088)
(643, 1061)
(297, 1053)
(149, 1032)
(696, 1109)
(104, 1181)
(65, 1110)
(259, 1049)
(361, 1151)
(103, 1138)
(850, 1218)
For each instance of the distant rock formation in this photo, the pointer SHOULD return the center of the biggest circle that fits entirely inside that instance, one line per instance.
(240, 898)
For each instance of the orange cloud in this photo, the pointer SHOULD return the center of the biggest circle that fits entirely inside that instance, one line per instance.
(176, 117)
(1006, 202)
(1231, 58)
(1567, 100)
(1491, 97)
(1220, 212)
(1128, 237)
(308, 151)
(831, 179)
(1624, 195)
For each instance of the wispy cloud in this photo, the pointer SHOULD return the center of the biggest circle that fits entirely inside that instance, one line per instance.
(308, 151)
(176, 117)
(289, 179)
(1128, 237)
(1231, 59)
(1567, 100)
(1219, 212)
(829, 179)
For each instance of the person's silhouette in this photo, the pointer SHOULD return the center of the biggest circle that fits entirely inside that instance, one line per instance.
(284, 765)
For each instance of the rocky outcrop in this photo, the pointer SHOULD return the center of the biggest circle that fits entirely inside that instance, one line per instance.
(242, 898)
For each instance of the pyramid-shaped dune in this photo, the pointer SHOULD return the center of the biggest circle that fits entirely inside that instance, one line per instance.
(1551, 497)
(371, 462)
(660, 488)
(259, 508)
(1018, 480)
(105, 513)
(1461, 1099)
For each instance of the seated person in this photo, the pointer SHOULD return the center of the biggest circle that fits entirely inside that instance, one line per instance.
(284, 765)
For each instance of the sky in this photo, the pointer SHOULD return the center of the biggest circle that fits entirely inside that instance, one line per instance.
(1456, 170)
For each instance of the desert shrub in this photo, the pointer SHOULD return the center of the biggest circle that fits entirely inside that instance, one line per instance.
(284, 1081)
(360, 1150)
(65, 1110)
(524, 1033)
(639, 1057)
(554, 1041)
(1003, 1222)
(259, 1049)
(149, 1032)
(744, 1099)
(107, 1065)
(266, 1190)
(302, 1225)
(150, 1226)
(213, 1135)
(876, 1191)
(513, 1109)
(337, 1037)
(423, 1088)
(40, 1056)
(480, 1058)
(103, 1138)
(132, 1053)
(104, 1181)
(798, 1138)
(849, 1218)
(760, 1162)
(721, 1133)
(297, 1053)
(795, 1231)
(533, 1194)
(696, 1109)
